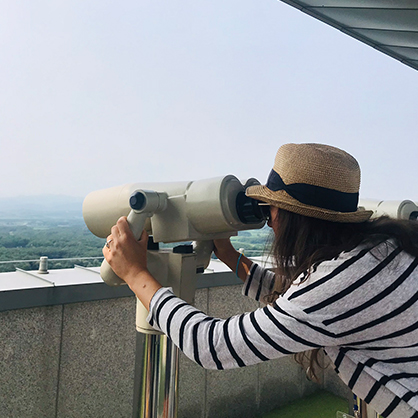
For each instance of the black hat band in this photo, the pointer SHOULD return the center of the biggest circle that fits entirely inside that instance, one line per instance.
(317, 196)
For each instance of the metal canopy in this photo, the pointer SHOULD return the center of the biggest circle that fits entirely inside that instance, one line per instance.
(390, 26)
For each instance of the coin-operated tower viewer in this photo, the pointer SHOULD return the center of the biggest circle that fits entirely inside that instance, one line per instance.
(198, 211)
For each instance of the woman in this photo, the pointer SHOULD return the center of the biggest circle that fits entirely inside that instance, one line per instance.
(343, 282)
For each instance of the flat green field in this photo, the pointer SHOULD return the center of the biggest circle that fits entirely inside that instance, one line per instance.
(319, 405)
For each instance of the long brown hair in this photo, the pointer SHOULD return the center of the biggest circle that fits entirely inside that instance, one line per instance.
(301, 243)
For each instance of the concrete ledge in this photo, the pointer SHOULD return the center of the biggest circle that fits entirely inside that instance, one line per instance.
(49, 296)
(63, 294)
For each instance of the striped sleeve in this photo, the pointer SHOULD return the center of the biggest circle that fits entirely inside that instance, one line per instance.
(241, 340)
(259, 283)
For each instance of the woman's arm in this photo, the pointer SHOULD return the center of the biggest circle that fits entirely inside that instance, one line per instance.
(238, 341)
(211, 342)
(258, 281)
(128, 259)
(229, 255)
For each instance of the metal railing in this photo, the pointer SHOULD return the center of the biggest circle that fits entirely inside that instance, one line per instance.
(51, 259)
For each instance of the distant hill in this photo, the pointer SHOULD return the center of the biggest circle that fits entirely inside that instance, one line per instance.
(40, 207)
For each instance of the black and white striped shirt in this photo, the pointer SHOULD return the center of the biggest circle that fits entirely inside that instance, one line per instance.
(362, 308)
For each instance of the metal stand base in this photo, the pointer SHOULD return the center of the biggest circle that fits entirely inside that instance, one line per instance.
(156, 374)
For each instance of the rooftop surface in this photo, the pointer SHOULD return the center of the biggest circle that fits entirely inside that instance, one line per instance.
(24, 289)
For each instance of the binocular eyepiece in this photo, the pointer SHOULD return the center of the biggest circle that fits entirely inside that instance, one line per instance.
(251, 211)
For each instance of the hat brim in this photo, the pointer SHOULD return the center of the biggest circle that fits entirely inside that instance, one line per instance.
(282, 200)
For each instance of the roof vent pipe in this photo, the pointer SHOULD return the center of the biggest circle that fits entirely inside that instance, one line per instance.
(43, 265)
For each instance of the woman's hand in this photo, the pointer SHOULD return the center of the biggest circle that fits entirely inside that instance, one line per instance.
(128, 259)
(126, 255)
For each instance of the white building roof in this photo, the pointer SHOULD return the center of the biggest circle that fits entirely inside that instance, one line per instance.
(390, 26)
(20, 279)
(23, 289)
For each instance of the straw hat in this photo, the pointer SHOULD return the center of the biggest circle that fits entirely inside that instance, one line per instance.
(314, 180)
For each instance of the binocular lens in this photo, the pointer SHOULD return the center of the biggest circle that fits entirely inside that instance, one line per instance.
(251, 211)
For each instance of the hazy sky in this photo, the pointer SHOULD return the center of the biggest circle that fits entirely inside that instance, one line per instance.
(98, 93)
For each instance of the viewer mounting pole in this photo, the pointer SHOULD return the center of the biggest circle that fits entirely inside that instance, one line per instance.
(157, 358)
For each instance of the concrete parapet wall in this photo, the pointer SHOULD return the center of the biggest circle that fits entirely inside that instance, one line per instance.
(78, 360)
(67, 361)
